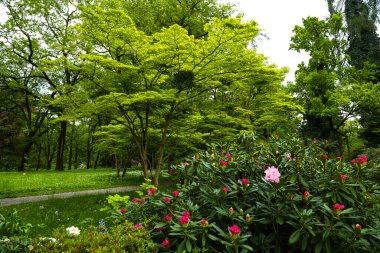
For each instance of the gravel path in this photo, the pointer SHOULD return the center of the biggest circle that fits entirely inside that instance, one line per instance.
(64, 195)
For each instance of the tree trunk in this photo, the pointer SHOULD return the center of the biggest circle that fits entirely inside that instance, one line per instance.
(96, 160)
(88, 163)
(71, 147)
(76, 156)
(61, 147)
(39, 156)
(24, 155)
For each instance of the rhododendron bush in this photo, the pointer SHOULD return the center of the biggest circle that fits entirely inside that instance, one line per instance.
(281, 194)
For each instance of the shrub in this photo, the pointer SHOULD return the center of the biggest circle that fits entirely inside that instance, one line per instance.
(124, 237)
(14, 234)
(281, 194)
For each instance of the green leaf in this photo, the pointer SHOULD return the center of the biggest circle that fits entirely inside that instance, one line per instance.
(302, 181)
(189, 245)
(294, 237)
(319, 246)
(304, 243)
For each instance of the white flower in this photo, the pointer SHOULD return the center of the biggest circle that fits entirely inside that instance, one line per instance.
(30, 247)
(73, 230)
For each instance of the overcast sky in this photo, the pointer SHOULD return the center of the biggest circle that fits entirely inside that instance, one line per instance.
(277, 18)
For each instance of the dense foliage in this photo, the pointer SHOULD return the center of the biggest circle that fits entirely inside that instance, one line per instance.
(284, 194)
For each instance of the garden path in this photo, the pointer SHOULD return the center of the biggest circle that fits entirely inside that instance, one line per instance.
(64, 195)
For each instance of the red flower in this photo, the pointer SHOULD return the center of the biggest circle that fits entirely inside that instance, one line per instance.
(186, 213)
(122, 210)
(168, 217)
(340, 158)
(362, 159)
(235, 230)
(142, 201)
(138, 225)
(228, 156)
(184, 220)
(165, 243)
(134, 200)
(160, 229)
(225, 189)
(325, 156)
(315, 140)
(338, 206)
(343, 177)
(306, 195)
(203, 221)
(166, 199)
(353, 161)
(175, 193)
(358, 226)
(151, 191)
(223, 163)
(244, 181)
(171, 171)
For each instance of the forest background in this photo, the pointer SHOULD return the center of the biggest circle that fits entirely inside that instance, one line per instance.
(93, 83)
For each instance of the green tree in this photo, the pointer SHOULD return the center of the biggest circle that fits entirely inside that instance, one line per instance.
(152, 83)
(40, 41)
(323, 86)
(364, 48)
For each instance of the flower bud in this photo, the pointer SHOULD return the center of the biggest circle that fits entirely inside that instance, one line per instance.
(248, 218)
(358, 227)
(306, 195)
(231, 211)
(241, 211)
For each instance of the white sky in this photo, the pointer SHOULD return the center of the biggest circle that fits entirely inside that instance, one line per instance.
(277, 19)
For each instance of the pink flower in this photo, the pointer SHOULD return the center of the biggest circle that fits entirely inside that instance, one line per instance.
(166, 199)
(186, 213)
(175, 193)
(228, 156)
(244, 181)
(122, 210)
(343, 177)
(235, 230)
(225, 189)
(138, 225)
(353, 161)
(326, 157)
(362, 159)
(165, 243)
(272, 175)
(338, 206)
(168, 217)
(142, 201)
(306, 195)
(223, 163)
(358, 226)
(184, 220)
(134, 200)
(340, 158)
(151, 191)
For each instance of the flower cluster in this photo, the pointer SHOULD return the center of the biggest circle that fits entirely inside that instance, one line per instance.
(272, 175)
(338, 206)
(73, 230)
(151, 191)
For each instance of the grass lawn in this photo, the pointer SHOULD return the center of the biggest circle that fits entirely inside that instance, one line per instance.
(47, 215)
(16, 184)
(81, 212)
